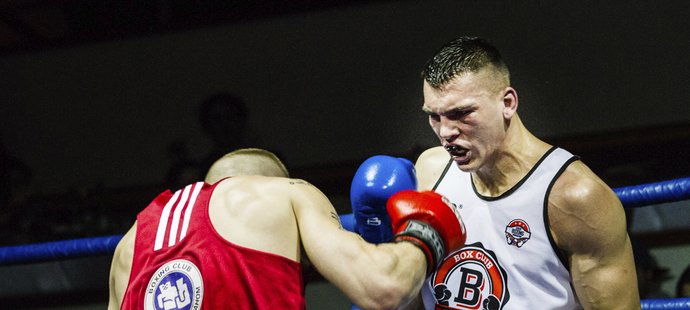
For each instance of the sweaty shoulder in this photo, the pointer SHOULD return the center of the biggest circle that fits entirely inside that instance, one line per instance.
(268, 190)
(583, 211)
(256, 212)
(429, 166)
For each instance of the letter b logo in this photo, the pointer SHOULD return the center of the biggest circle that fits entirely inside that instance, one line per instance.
(469, 292)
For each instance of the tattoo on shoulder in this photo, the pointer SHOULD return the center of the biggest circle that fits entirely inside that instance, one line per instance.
(293, 182)
(335, 217)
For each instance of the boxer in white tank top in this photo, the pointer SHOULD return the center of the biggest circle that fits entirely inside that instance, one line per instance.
(543, 230)
(509, 258)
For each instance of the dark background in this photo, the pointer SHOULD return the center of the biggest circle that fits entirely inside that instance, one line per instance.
(94, 94)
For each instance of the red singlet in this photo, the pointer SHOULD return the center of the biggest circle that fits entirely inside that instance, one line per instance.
(181, 262)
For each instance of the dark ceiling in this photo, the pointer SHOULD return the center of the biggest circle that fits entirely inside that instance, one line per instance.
(31, 25)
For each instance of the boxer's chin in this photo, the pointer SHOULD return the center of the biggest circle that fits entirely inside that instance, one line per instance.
(462, 158)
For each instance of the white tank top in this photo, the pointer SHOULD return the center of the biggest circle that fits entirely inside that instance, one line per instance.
(510, 260)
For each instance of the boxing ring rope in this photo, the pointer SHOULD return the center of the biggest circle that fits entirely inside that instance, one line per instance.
(654, 193)
(630, 196)
(58, 250)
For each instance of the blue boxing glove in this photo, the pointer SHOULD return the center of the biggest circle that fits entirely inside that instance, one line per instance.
(378, 178)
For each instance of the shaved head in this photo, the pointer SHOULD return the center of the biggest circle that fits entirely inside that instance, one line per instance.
(247, 161)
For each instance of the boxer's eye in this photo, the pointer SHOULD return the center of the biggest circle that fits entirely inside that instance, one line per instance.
(457, 114)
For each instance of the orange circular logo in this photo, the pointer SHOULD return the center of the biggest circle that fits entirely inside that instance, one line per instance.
(470, 278)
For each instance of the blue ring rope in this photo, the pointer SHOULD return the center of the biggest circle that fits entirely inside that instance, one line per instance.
(630, 196)
(669, 303)
(654, 193)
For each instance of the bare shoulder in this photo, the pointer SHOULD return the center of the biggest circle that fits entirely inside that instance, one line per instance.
(260, 192)
(252, 186)
(279, 186)
(588, 224)
(304, 193)
(579, 187)
(244, 195)
(584, 212)
(429, 166)
(256, 212)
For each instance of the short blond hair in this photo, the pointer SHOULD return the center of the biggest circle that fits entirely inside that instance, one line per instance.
(246, 161)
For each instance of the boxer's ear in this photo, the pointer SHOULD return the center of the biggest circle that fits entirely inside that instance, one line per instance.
(510, 102)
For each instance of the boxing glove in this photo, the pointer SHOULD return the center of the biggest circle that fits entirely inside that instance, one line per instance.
(427, 220)
(348, 222)
(376, 179)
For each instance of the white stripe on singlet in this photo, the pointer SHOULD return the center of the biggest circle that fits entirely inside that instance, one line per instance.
(163, 223)
(188, 211)
(176, 215)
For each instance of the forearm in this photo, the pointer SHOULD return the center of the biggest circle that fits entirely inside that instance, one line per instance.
(396, 277)
(372, 276)
(382, 276)
(407, 268)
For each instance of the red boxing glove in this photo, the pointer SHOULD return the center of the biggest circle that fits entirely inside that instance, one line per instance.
(427, 220)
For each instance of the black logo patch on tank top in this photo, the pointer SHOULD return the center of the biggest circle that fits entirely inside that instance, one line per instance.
(470, 278)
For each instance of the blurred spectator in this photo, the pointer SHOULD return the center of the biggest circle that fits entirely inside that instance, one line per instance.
(184, 168)
(223, 118)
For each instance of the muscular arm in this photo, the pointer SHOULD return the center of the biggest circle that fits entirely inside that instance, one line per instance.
(120, 268)
(588, 224)
(373, 276)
